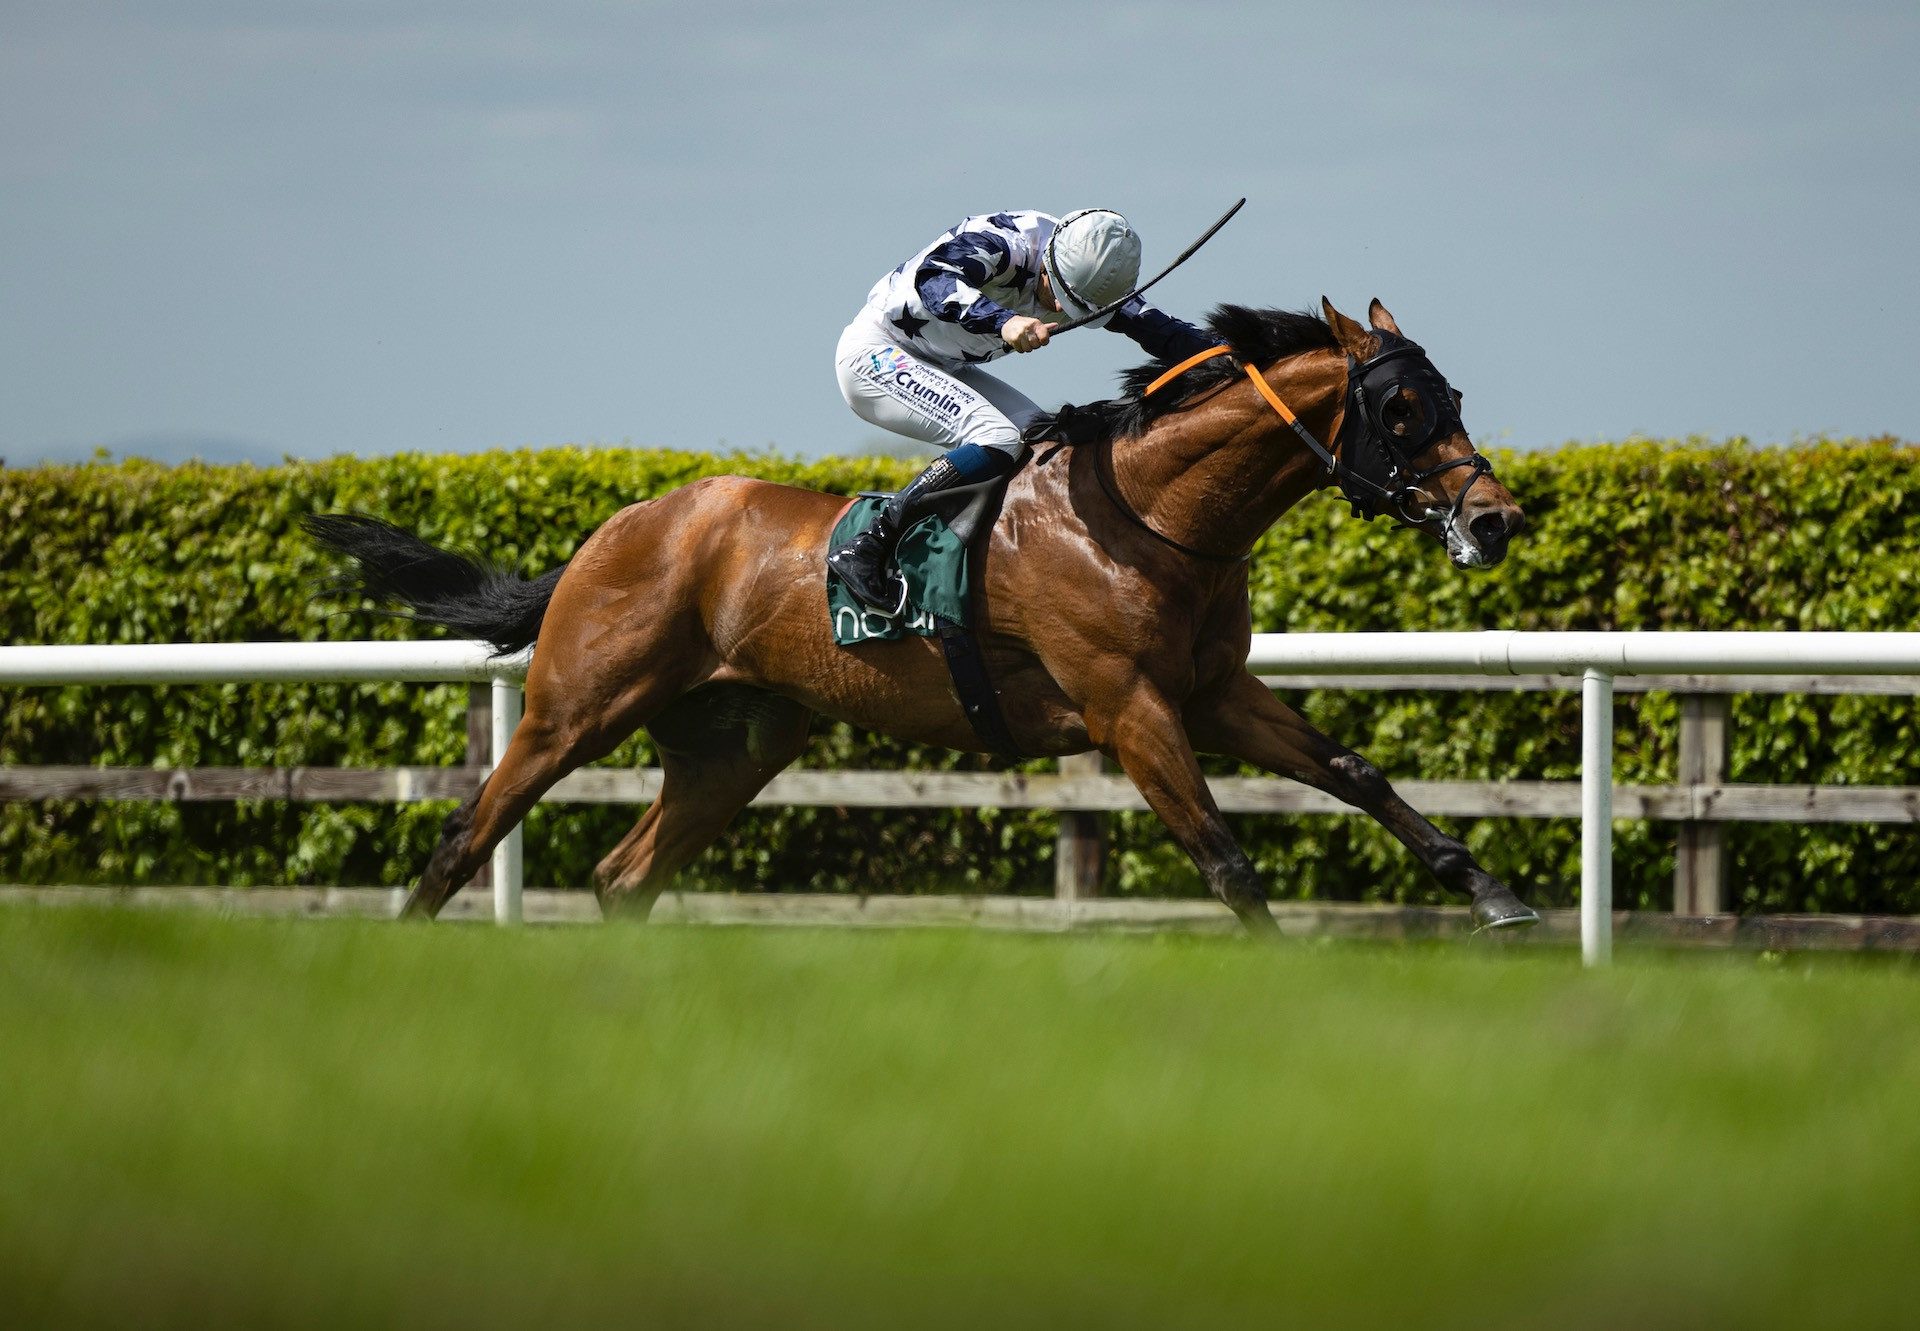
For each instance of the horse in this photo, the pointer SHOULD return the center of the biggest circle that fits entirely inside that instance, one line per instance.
(1111, 610)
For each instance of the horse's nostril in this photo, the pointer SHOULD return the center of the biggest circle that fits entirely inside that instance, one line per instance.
(1489, 529)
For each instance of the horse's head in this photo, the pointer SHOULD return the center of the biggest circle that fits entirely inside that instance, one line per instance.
(1404, 451)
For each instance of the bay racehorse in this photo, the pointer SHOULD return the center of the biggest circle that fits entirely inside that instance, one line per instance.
(1111, 607)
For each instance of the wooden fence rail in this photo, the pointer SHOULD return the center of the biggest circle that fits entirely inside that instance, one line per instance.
(1069, 792)
(1700, 803)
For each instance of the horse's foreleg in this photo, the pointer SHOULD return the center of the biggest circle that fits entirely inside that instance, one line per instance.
(1247, 722)
(1146, 737)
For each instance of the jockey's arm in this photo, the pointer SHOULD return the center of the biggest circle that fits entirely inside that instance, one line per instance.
(1158, 333)
(949, 281)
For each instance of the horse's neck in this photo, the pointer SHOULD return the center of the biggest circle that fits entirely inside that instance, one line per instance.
(1218, 474)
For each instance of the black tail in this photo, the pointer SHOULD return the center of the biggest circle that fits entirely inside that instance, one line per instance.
(475, 600)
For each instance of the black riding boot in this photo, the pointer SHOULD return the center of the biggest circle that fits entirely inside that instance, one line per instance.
(865, 564)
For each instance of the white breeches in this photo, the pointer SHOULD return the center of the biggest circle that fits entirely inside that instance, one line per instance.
(897, 391)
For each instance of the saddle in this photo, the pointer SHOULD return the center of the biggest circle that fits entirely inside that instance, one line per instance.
(1065, 428)
(934, 556)
(966, 509)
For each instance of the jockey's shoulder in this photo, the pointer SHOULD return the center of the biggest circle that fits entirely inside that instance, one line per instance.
(1015, 220)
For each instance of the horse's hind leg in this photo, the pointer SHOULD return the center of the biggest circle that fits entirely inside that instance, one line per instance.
(1249, 723)
(719, 746)
(569, 721)
(540, 754)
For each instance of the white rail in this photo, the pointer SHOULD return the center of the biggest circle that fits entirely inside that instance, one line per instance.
(303, 663)
(260, 663)
(1520, 652)
(1596, 657)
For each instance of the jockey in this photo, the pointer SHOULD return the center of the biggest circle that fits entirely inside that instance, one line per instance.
(911, 360)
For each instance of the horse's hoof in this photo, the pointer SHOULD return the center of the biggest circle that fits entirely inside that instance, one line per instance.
(1497, 908)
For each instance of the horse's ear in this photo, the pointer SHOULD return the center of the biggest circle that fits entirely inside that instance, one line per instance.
(1353, 339)
(1377, 316)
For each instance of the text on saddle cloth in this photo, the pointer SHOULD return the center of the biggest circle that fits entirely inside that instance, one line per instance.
(932, 557)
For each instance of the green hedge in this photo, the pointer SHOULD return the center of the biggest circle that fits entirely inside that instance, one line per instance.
(1637, 535)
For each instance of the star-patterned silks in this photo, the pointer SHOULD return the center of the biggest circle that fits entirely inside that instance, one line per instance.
(948, 303)
(906, 323)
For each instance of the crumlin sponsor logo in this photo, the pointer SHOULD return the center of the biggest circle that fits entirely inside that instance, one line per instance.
(897, 367)
(886, 364)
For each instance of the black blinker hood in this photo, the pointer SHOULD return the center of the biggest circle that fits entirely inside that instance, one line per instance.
(1398, 406)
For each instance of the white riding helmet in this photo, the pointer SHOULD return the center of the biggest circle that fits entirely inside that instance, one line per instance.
(1091, 260)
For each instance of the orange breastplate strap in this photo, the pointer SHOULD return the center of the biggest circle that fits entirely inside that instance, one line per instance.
(1259, 381)
(1184, 366)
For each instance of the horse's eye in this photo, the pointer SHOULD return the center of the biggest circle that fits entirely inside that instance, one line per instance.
(1398, 413)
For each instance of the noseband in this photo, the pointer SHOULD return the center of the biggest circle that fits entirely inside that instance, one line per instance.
(1398, 406)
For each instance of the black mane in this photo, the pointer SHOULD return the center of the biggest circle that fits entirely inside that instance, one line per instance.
(1258, 337)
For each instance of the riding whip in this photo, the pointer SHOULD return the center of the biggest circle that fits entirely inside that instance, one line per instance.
(1185, 254)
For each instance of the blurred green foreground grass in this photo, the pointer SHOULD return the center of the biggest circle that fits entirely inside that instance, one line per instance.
(210, 1121)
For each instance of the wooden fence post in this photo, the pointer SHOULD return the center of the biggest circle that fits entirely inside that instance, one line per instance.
(480, 748)
(1703, 762)
(1080, 854)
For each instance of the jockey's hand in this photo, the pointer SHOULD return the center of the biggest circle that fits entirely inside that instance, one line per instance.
(1024, 334)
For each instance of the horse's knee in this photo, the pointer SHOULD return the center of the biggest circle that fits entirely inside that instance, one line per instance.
(1360, 782)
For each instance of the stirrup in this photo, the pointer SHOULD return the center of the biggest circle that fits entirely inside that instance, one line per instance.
(858, 578)
(900, 606)
(894, 611)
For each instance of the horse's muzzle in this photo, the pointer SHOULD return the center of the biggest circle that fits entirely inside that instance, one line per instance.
(1491, 532)
(1480, 541)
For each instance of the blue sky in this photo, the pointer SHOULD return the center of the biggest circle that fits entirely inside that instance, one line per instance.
(249, 229)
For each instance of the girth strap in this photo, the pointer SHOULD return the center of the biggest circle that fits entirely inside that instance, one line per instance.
(974, 687)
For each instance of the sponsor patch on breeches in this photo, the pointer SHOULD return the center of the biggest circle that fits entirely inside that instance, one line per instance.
(919, 388)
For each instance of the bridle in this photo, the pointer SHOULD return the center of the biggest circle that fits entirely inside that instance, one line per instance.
(1398, 406)
(1403, 406)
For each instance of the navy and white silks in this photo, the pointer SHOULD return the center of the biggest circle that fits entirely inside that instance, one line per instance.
(912, 360)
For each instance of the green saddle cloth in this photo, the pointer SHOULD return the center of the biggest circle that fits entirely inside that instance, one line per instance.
(932, 560)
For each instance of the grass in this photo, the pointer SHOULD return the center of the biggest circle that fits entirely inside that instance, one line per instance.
(209, 1121)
